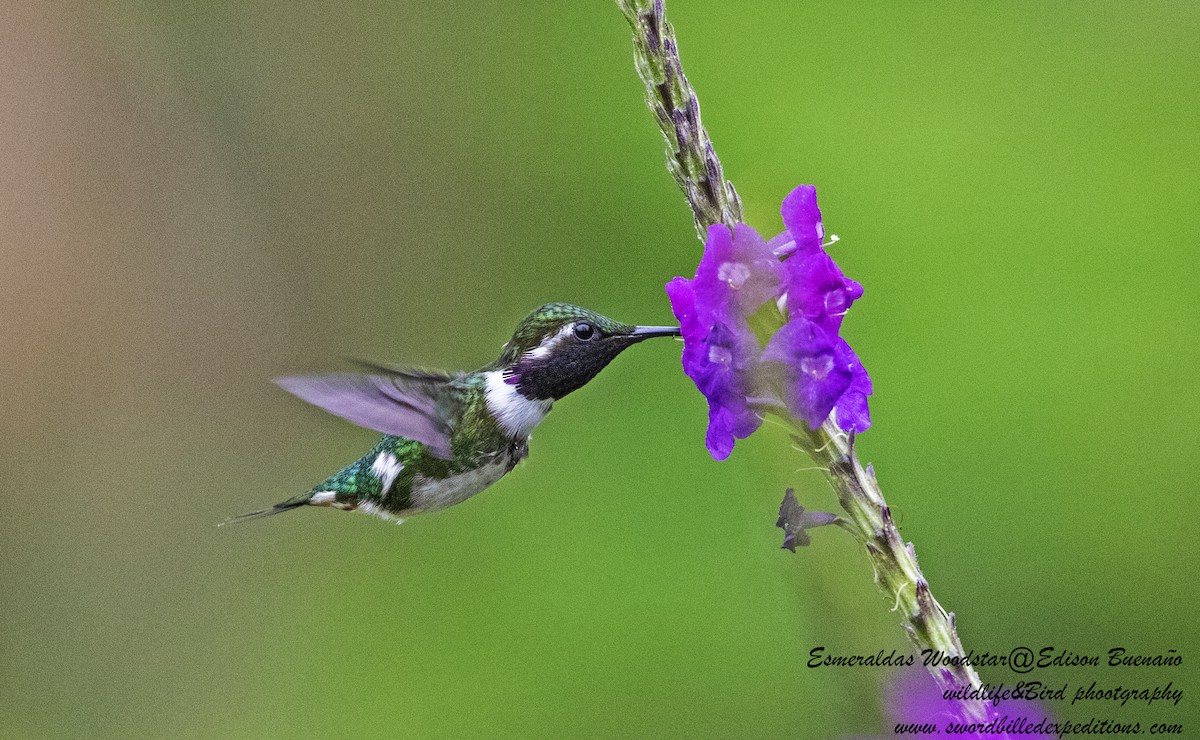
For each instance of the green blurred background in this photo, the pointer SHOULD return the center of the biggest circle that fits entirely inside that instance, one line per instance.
(196, 197)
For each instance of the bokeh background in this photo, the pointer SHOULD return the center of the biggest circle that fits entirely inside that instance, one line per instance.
(196, 197)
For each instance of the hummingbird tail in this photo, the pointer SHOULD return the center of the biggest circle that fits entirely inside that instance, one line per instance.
(291, 503)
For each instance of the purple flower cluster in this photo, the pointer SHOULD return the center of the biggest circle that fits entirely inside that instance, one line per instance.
(740, 273)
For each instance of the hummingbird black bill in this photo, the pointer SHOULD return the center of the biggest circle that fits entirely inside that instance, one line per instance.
(645, 332)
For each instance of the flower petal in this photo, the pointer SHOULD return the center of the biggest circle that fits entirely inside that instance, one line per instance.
(683, 304)
(818, 290)
(803, 219)
(851, 413)
(716, 356)
(737, 274)
(816, 380)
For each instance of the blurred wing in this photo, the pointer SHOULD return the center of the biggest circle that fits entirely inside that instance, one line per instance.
(409, 373)
(418, 406)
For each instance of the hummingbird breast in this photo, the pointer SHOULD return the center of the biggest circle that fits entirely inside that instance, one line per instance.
(430, 494)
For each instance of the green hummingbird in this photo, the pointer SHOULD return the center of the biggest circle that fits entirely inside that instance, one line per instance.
(448, 436)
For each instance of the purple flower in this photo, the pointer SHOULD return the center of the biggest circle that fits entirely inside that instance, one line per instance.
(823, 375)
(826, 373)
(738, 274)
(818, 290)
(816, 287)
(735, 277)
(804, 232)
(912, 697)
(818, 373)
(721, 377)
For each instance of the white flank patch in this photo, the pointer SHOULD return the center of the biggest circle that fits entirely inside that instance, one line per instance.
(517, 414)
(386, 468)
(374, 509)
(322, 498)
(549, 343)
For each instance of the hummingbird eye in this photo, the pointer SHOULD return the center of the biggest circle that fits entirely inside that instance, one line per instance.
(584, 331)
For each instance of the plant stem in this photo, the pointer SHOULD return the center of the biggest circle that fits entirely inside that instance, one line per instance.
(690, 155)
(928, 625)
(693, 162)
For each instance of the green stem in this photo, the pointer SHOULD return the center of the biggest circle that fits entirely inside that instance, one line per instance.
(691, 158)
(693, 162)
(928, 625)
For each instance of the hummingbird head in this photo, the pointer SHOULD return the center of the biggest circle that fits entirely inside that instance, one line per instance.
(558, 348)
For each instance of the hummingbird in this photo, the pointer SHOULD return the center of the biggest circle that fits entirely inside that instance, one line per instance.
(449, 436)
